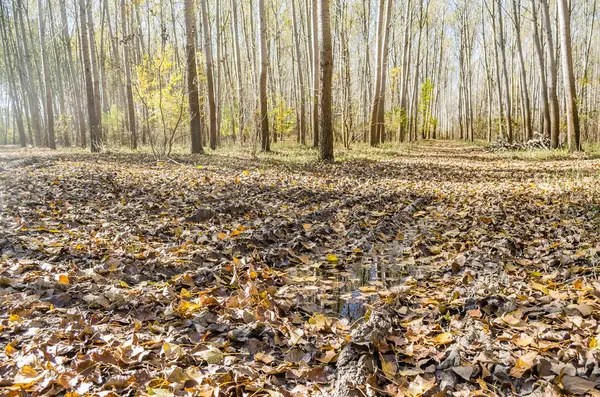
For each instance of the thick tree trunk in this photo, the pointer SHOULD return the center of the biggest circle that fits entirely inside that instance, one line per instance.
(315, 49)
(378, 59)
(192, 77)
(326, 143)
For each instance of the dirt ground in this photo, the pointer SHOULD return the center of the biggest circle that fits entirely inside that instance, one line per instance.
(435, 269)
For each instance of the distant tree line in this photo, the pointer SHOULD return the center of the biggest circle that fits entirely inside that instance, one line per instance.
(198, 73)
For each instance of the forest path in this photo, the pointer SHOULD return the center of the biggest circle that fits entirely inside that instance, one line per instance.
(222, 272)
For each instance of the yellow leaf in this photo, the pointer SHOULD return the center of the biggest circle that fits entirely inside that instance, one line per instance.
(390, 368)
(186, 308)
(222, 236)
(320, 321)
(14, 318)
(443, 338)
(523, 364)
(540, 287)
(63, 279)
(331, 258)
(184, 293)
(594, 343)
(435, 250)
(159, 392)
(9, 350)
(368, 288)
(246, 172)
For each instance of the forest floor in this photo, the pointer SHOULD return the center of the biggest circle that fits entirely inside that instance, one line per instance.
(431, 269)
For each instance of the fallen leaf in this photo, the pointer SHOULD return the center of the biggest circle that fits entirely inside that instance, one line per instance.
(523, 364)
(576, 385)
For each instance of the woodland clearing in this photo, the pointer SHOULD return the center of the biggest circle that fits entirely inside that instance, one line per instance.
(428, 269)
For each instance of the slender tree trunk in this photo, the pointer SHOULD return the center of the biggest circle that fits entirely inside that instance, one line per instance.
(542, 70)
(502, 45)
(192, 77)
(384, 67)
(553, 78)
(238, 68)
(128, 84)
(516, 4)
(29, 88)
(574, 135)
(47, 79)
(89, 85)
(95, 69)
(405, 73)
(315, 46)
(326, 143)
(264, 66)
(212, 112)
(9, 64)
(301, 88)
(378, 59)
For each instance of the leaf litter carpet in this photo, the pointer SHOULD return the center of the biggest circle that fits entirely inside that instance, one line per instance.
(442, 270)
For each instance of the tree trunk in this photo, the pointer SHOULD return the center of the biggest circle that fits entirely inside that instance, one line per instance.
(128, 86)
(574, 141)
(315, 49)
(502, 45)
(212, 116)
(89, 85)
(301, 88)
(9, 64)
(326, 142)
(47, 79)
(553, 78)
(378, 61)
(238, 68)
(542, 70)
(264, 66)
(526, 101)
(192, 77)
(384, 66)
(95, 69)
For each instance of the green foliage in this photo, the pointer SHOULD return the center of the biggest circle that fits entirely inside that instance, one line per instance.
(425, 101)
(161, 91)
(112, 122)
(284, 117)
